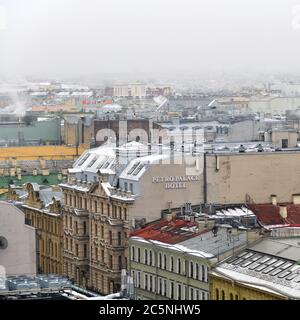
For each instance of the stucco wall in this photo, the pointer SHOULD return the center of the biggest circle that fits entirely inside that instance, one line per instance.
(154, 197)
(19, 258)
(259, 175)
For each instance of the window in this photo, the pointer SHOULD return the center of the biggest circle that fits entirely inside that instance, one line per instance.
(76, 250)
(150, 283)
(231, 296)
(171, 264)
(223, 295)
(111, 261)
(191, 294)
(284, 143)
(139, 255)
(96, 254)
(197, 271)
(204, 274)
(95, 206)
(102, 232)
(114, 212)
(131, 187)
(150, 258)
(108, 210)
(236, 297)
(76, 227)
(138, 279)
(120, 262)
(132, 253)
(102, 256)
(217, 294)
(172, 290)
(165, 288)
(110, 237)
(96, 230)
(119, 239)
(84, 228)
(159, 289)
(126, 186)
(165, 262)
(179, 291)
(71, 225)
(146, 282)
(120, 213)
(159, 260)
(191, 269)
(146, 256)
(125, 214)
(179, 266)
(85, 250)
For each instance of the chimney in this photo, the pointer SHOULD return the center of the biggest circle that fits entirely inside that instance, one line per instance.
(296, 199)
(274, 199)
(283, 211)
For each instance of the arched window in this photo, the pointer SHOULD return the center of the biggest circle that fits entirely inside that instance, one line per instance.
(223, 295)
(165, 262)
(217, 294)
(231, 296)
(139, 255)
(236, 297)
(197, 271)
(146, 256)
(159, 260)
(204, 274)
(171, 264)
(132, 253)
(150, 258)
(191, 269)
(179, 266)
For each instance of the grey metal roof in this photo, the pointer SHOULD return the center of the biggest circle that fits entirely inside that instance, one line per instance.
(267, 267)
(283, 248)
(47, 196)
(220, 244)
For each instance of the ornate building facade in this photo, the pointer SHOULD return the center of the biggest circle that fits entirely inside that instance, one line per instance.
(42, 208)
(95, 235)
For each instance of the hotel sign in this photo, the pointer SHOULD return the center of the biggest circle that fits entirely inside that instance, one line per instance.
(175, 182)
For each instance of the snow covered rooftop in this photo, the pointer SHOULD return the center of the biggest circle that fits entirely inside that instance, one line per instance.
(271, 273)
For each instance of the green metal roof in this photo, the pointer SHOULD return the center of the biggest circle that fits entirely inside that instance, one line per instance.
(51, 179)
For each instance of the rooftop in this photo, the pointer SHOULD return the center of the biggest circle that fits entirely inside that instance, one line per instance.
(269, 214)
(171, 232)
(271, 265)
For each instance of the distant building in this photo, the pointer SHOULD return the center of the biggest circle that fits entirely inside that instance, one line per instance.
(282, 137)
(133, 90)
(17, 242)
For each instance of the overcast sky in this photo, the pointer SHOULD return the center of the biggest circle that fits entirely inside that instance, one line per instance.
(87, 36)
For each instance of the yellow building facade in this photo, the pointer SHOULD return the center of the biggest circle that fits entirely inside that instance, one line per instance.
(47, 219)
(222, 288)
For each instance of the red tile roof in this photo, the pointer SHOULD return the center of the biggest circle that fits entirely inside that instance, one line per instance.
(170, 232)
(268, 214)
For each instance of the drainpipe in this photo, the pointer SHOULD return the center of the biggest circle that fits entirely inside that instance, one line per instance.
(204, 179)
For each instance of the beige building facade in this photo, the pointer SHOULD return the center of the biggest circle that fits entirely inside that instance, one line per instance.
(251, 177)
(17, 242)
